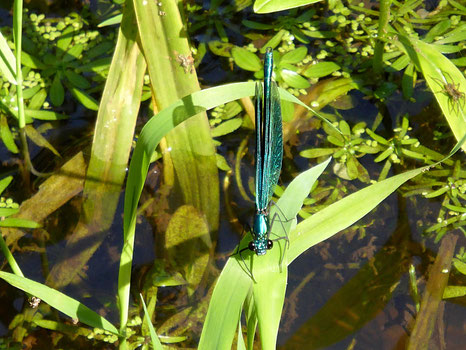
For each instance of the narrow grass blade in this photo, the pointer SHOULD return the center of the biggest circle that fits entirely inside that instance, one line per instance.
(268, 6)
(446, 81)
(343, 213)
(7, 61)
(59, 301)
(156, 344)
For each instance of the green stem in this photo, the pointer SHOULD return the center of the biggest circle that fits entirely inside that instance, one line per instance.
(17, 32)
(382, 32)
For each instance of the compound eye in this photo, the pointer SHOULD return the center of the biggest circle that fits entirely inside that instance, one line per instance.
(252, 246)
(269, 244)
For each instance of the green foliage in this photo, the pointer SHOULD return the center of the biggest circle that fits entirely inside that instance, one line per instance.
(57, 56)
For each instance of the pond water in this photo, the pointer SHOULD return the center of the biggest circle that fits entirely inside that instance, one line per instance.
(352, 291)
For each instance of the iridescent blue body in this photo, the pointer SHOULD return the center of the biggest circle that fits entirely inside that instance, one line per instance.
(269, 154)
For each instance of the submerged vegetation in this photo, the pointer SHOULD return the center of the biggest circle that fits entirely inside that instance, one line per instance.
(373, 102)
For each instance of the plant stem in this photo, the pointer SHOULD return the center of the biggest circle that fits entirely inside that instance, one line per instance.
(384, 16)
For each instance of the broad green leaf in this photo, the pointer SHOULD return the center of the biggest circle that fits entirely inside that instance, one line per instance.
(454, 292)
(111, 21)
(274, 41)
(437, 30)
(4, 183)
(321, 69)
(57, 92)
(31, 61)
(294, 56)
(77, 80)
(445, 80)
(246, 59)
(17, 222)
(293, 79)
(400, 63)
(73, 53)
(30, 92)
(407, 82)
(256, 25)
(65, 39)
(6, 135)
(268, 6)
(227, 127)
(5, 212)
(59, 301)
(44, 115)
(7, 61)
(222, 164)
(456, 35)
(86, 100)
(317, 152)
(100, 49)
